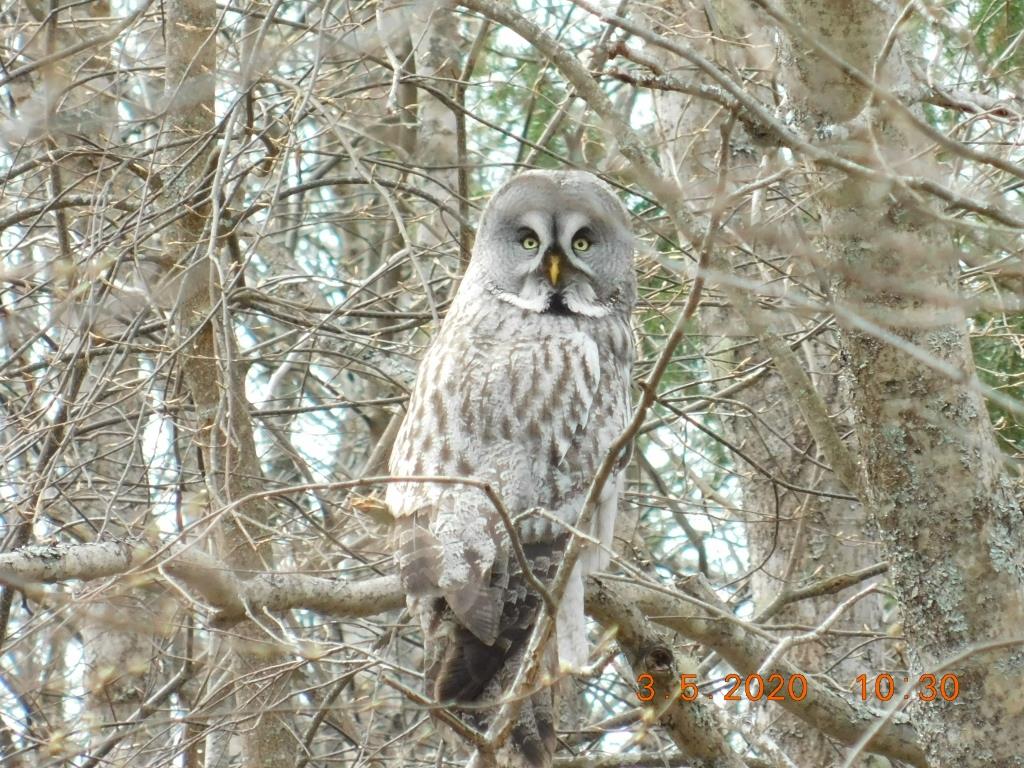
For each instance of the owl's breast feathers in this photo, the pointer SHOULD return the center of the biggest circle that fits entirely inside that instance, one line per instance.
(529, 404)
(525, 402)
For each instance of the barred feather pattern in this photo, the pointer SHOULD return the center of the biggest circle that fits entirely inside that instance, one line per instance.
(529, 403)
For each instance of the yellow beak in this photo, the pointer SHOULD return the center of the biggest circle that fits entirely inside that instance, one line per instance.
(554, 266)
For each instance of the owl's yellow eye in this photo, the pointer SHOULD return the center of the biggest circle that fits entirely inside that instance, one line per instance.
(530, 243)
(580, 244)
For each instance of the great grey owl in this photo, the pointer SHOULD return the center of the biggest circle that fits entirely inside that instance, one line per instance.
(525, 387)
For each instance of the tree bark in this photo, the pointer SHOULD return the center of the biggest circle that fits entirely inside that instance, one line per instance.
(937, 483)
(795, 538)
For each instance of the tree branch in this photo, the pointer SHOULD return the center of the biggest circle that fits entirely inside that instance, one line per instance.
(609, 601)
(213, 581)
(745, 651)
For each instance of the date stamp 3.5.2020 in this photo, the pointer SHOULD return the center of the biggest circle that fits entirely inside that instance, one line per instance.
(777, 687)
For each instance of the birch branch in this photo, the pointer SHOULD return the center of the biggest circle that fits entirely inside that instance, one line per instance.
(210, 579)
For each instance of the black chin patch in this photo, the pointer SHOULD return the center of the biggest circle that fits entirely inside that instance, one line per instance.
(556, 306)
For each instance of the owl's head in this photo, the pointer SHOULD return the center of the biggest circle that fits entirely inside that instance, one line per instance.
(557, 242)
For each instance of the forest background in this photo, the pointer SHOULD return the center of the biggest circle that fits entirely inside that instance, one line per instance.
(229, 229)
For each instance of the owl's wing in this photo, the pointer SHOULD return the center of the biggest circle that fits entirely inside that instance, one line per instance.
(506, 413)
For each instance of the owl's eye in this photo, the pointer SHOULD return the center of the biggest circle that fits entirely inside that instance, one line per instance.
(530, 243)
(580, 244)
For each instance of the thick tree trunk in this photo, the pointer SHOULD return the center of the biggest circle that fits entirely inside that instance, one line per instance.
(936, 480)
(794, 538)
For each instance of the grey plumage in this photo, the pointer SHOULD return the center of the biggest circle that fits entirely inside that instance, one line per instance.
(525, 387)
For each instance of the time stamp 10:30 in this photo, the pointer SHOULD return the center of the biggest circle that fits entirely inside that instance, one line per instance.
(778, 687)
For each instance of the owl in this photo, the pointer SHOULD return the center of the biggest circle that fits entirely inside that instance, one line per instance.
(524, 388)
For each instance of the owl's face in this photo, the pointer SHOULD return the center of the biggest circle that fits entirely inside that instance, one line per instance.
(557, 242)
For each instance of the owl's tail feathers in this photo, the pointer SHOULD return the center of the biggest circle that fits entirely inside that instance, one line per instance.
(533, 741)
(474, 677)
(467, 667)
(533, 735)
